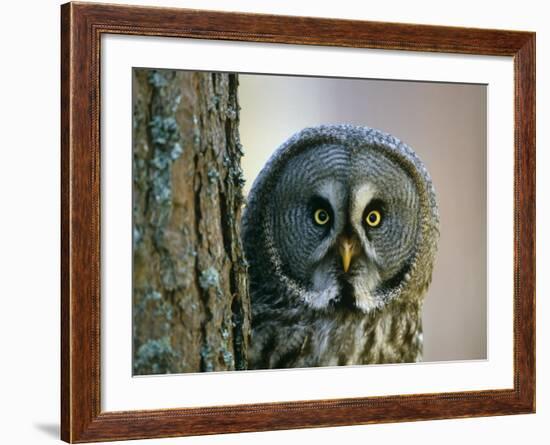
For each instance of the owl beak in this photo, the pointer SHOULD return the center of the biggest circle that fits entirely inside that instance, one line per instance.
(347, 249)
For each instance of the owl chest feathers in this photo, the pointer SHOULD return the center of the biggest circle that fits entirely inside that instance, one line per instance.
(302, 337)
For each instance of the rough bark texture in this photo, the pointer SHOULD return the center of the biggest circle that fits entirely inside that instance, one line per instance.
(190, 295)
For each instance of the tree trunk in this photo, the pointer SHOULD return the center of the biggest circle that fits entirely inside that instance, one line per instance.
(190, 293)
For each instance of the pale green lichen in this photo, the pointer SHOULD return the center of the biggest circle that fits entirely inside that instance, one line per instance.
(228, 358)
(148, 297)
(157, 79)
(207, 363)
(153, 295)
(137, 237)
(240, 148)
(237, 175)
(213, 175)
(165, 310)
(176, 152)
(164, 130)
(209, 278)
(231, 113)
(212, 102)
(225, 333)
(154, 357)
(196, 132)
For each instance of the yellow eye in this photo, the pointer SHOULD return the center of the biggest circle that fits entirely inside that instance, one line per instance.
(321, 217)
(373, 218)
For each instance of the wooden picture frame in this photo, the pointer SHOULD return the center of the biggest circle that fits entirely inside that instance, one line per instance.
(82, 25)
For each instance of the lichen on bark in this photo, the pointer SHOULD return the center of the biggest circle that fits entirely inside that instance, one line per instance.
(190, 295)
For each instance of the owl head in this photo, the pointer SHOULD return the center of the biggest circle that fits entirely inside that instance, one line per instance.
(341, 217)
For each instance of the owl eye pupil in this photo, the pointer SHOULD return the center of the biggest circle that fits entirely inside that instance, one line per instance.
(321, 217)
(373, 218)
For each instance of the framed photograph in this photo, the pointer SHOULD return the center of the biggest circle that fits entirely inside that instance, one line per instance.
(274, 222)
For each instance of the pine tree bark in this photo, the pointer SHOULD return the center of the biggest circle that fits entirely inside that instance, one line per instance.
(190, 294)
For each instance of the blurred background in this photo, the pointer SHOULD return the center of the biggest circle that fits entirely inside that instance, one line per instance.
(446, 125)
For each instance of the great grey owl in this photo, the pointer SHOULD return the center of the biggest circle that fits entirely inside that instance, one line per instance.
(340, 232)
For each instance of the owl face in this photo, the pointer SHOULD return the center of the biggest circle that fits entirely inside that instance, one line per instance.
(341, 217)
(344, 225)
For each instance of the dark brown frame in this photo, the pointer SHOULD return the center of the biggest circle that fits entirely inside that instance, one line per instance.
(82, 25)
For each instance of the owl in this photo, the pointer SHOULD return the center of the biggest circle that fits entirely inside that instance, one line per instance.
(340, 232)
